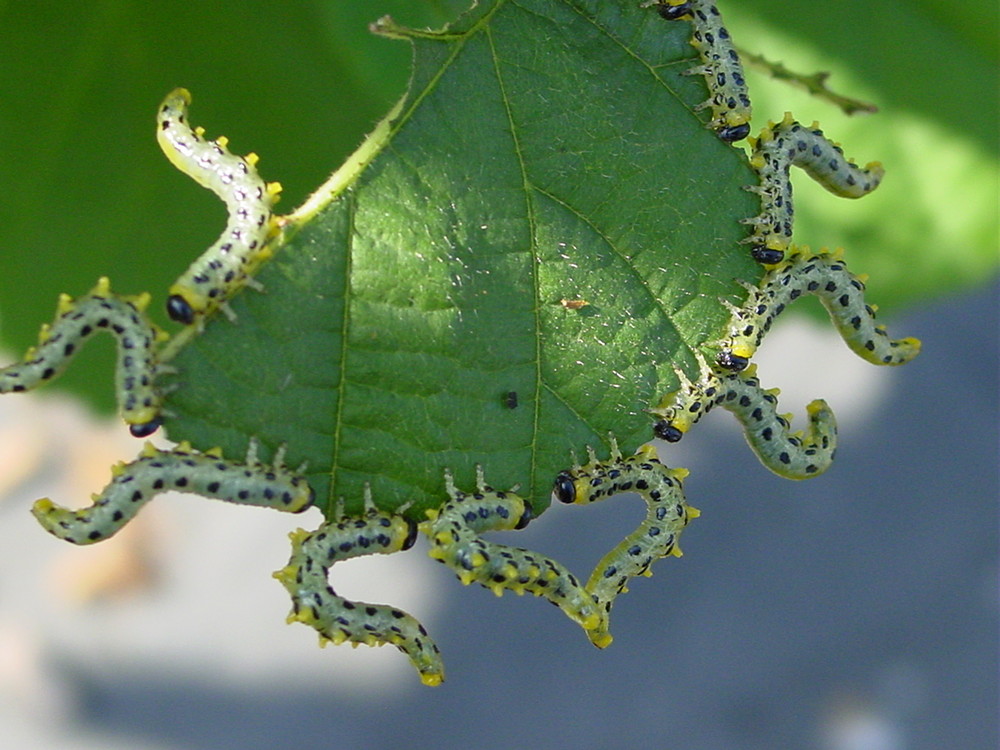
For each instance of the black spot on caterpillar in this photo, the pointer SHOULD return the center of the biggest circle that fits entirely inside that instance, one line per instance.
(824, 275)
(657, 536)
(795, 455)
(179, 470)
(721, 65)
(79, 319)
(776, 149)
(454, 532)
(226, 266)
(315, 603)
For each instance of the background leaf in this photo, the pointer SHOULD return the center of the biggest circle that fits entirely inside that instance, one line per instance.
(932, 227)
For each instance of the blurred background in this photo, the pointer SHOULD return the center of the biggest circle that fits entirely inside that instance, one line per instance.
(857, 611)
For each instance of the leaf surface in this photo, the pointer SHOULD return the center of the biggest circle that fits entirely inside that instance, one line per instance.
(545, 215)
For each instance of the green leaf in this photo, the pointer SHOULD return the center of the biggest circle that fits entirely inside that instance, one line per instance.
(548, 152)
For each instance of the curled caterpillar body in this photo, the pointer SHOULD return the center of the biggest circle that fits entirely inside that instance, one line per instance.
(339, 620)
(454, 532)
(780, 146)
(793, 455)
(824, 275)
(179, 470)
(226, 266)
(656, 537)
(721, 65)
(76, 321)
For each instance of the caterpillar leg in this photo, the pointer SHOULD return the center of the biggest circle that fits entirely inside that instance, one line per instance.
(666, 516)
(721, 65)
(315, 603)
(79, 319)
(794, 455)
(454, 532)
(777, 148)
(180, 470)
(228, 264)
(824, 275)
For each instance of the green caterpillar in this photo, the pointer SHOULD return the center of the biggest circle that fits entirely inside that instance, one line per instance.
(824, 275)
(179, 470)
(339, 620)
(776, 149)
(666, 516)
(792, 455)
(225, 266)
(79, 319)
(721, 65)
(454, 534)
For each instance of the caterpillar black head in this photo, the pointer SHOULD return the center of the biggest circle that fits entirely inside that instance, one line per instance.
(180, 310)
(145, 429)
(526, 517)
(564, 488)
(735, 133)
(731, 361)
(673, 12)
(767, 256)
(411, 535)
(666, 431)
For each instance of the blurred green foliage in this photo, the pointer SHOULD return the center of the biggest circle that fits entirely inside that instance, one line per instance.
(933, 69)
(87, 192)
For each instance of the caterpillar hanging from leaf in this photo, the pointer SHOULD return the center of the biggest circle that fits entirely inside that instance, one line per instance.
(339, 620)
(779, 147)
(228, 264)
(76, 321)
(720, 65)
(793, 455)
(824, 275)
(180, 470)
(454, 531)
(667, 513)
